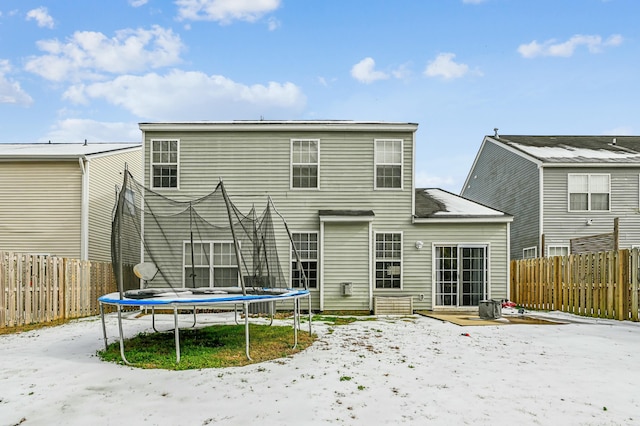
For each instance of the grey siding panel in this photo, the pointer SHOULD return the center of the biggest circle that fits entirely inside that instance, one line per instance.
(40, 210)
(509, 183)
(560, 225)
(346, 259)
(418, 263)
(105, 174)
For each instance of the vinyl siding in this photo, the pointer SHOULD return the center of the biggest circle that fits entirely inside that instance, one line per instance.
(40, 210)
(346, 259)
(560, 225)
(510, 183)
(418, 273)
(105, 174)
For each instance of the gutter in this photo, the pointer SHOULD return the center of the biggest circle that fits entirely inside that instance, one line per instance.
(84, 208)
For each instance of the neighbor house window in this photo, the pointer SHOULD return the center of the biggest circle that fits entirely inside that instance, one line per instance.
(589, 192)
(461, 275)
(305, 154)
(212, 264)
(530, 252)
(557, 251)
(164, 163)
(388, 167)
(306, 244)
(388, 260)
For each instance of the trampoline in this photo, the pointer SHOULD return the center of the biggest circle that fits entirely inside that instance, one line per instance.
(202, 253)
(195, 299)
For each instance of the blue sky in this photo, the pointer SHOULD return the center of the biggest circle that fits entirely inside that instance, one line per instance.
(93, 69)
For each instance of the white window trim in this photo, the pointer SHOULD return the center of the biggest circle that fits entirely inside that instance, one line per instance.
(375, 259)
(535, 252)
(211, 265)
(313, 231)
(565, 246)
(588, 192)
(375, 164)
(458, 245)
(291, 164)
(151, 164)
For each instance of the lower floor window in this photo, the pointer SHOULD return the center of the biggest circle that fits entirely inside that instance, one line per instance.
(461, 275)
(388, 260)
(210, 264)
(557, 251)
(306, 246)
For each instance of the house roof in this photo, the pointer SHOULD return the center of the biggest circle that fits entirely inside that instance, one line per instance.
(59, 151)
(434, 204)
(278, 125)
(575, 149)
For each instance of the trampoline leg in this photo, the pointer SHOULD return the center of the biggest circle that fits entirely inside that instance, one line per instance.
(296, 313)
(104, 327)
(194, 317)
(124, 359)
(153, 318)
(176, 333)
(272, 311)
(309, 299)
(246, 330)
(235, 313)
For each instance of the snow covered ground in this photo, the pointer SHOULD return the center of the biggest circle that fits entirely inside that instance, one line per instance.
(395, 370)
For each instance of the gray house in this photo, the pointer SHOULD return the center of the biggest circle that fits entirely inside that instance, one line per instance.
(560, 189)
(57, 199)
(347, 191)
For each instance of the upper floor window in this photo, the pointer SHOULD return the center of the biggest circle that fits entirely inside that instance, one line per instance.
(388, 260)
(388, 167)
(164, 163)
(305, 154)
(306, 244)
(589, 192)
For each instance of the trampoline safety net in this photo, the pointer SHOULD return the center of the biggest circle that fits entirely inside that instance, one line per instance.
(205, 242)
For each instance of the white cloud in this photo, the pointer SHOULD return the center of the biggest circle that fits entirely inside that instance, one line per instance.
(444, 66)
(364, 71)
(77, 130)
(41, 16)
(88, 54)
(620, 131)
(594, 44)
(182, 95)
(273, 24)
(10, 91)
(138, 3)
(424, 180)
(225, 11)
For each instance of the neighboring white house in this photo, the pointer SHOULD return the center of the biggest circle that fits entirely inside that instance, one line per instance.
(559, 189)
(347, 191)
(57, 199)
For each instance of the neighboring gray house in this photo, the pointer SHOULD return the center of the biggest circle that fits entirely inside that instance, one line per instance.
(347, 191)
(559, 188)
(57, 199)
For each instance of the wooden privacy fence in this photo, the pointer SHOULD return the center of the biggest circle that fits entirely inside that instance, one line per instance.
(602, 285)
(39, 289)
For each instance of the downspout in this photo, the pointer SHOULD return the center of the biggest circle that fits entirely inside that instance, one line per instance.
(508, 260)
(541, 208)
(321, 295)
(84, 208)
(371, 263)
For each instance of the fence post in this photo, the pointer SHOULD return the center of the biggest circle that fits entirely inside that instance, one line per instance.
(634, 284)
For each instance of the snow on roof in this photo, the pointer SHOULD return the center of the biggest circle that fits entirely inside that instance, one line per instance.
(572, 153)
(59, 150)
(576, 149)
(438, 203)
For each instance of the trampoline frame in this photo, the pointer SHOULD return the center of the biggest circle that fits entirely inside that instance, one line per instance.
(178, 301)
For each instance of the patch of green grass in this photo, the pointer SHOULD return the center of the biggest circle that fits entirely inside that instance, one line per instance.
(209, 347)
(338, 320)
(345, 378)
